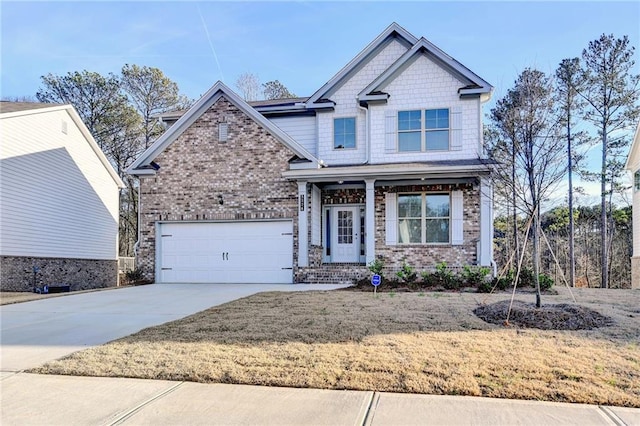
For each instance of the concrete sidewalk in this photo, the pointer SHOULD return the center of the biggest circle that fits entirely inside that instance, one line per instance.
(64, 400)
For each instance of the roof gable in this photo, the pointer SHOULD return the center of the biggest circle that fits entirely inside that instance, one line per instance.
(393, 31)
(633, 159)
(143, 164)
(20, 109)
(474, 85)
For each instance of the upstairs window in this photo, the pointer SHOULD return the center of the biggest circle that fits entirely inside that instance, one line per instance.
(344, 133)
(423, 130)
(409, 130)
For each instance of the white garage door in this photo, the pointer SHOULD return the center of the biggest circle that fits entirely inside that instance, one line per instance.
(230, 252)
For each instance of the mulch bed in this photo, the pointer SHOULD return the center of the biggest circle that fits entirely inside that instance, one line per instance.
(548, 317)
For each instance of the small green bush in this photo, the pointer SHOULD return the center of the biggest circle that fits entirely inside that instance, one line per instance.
(524, 280)
(134, 275)
(376, 266)
(407, 273)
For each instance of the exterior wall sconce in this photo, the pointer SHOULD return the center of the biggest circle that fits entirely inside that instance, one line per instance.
(220, 199)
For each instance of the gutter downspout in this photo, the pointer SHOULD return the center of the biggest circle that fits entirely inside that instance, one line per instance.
(366, 132)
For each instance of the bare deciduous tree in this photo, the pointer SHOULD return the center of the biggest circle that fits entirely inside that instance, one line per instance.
(249, 86)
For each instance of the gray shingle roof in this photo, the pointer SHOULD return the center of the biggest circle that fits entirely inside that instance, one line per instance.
(7, 106)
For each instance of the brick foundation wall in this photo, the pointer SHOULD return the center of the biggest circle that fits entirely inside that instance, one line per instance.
(197, 168)
(80, 274)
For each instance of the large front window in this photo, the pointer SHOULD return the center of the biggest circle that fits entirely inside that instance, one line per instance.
(423, 130)
(423, 218)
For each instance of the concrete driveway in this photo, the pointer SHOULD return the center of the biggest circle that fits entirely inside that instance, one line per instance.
(33, 333)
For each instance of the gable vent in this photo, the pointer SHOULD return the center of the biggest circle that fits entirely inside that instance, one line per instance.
(63, 127)
(223, 132)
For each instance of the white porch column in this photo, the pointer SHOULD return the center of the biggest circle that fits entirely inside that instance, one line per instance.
(303, 225)
(370, 221)
(486, 222)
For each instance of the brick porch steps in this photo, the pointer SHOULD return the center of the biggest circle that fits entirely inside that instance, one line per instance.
(335, 273)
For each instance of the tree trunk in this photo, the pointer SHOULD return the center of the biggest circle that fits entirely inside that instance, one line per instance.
(572, 260)
(513, 201)
(603, 214)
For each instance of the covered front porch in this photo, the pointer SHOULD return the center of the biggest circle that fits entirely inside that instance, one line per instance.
(347, 221)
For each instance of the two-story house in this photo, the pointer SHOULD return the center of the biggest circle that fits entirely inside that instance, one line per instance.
(385, 161)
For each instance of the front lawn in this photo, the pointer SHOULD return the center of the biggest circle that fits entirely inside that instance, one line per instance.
(397, 342)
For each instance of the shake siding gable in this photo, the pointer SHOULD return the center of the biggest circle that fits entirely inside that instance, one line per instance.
(197, 172)
(347, 106)
(57, 199)
(426, 85)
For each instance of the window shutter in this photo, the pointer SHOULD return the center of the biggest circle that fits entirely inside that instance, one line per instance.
(390, 122)
(391, 219)
(315, 215)
(457, 221)
(456, 128)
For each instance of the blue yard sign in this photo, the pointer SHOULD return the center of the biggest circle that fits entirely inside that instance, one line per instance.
(376, 280)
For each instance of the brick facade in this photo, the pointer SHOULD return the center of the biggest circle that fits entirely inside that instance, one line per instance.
(197, 168)
(422, 257)
(427, 256)
(80, 274)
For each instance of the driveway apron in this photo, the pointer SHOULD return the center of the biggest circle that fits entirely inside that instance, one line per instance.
(33, 333)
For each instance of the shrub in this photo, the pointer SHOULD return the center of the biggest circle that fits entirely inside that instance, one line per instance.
(442, 277)
(407, 273)
(475, 277)
(524, 280)
(376, 266)
(134, 275)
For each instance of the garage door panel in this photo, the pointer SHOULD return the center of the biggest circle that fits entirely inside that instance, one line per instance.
(231, 252)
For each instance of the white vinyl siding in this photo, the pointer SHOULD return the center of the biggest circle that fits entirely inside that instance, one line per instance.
(57, 199)
(301, 129)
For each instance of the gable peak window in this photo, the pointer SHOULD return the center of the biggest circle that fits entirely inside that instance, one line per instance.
(423, 130)
(344, 133)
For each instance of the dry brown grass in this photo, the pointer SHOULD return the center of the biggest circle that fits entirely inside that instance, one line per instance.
(9, 297)
(406, 342)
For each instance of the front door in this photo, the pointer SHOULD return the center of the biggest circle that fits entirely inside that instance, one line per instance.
(345, 221)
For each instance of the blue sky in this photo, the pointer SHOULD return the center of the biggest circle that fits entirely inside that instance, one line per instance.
(302, 44)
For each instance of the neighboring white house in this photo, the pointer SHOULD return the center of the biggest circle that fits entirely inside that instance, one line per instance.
(385, 161)
(59, 200)
(633, 165)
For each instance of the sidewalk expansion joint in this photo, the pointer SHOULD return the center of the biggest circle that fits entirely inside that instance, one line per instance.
(612, 416)
(371, 409)
(123, 417)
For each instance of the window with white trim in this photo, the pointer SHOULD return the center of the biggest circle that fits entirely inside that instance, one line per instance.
(423, 130)
(344, 133)
(636, 181)
(424, 218)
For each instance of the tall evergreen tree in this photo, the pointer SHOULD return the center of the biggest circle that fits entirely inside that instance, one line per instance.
(570, 105)
(611, 92)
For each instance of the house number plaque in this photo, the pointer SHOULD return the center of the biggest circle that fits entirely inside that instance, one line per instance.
(301, 202)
